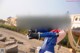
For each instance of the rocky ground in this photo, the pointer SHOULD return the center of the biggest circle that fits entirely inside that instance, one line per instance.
(62, 49)
(28, 46)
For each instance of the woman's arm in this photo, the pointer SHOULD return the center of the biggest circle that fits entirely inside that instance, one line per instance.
(39, 35)
(48, 34)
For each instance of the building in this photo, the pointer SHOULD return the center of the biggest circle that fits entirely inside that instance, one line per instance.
(11, 21)
(2, 21)
(75, 18)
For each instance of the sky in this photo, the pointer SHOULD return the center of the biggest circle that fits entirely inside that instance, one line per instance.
(37, 7)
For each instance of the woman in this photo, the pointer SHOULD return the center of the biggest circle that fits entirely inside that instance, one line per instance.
(50, 39)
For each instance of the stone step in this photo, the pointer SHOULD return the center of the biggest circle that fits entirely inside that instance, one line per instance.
(3, 39)
(12, 48)
(2, 44)
(7, 43)
(19, 42)
(2, 47)
(1, 35)
(12, 38)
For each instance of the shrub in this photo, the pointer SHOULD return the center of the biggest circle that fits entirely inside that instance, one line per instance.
(13, 28)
